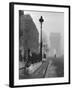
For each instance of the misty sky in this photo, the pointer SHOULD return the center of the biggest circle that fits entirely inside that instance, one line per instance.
(53, 22)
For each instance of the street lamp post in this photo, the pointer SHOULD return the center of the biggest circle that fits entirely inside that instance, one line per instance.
(41, 20)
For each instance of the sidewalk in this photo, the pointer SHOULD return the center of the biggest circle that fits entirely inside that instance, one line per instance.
(36, 70)
(33, 67)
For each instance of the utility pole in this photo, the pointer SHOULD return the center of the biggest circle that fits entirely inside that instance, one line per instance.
(41, 20)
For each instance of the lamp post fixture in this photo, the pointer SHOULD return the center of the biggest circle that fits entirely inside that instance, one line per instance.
(41, 20)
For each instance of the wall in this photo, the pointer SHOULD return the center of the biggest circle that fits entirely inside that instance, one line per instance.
(4, 44)
(30, 37)
(55, 43)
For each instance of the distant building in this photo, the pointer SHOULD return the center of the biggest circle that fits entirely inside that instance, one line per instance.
(55, 44)
(29, 36)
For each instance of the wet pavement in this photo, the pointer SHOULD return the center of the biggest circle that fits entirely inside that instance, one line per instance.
(48, 68)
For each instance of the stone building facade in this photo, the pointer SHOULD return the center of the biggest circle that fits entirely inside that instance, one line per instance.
(28, 34)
